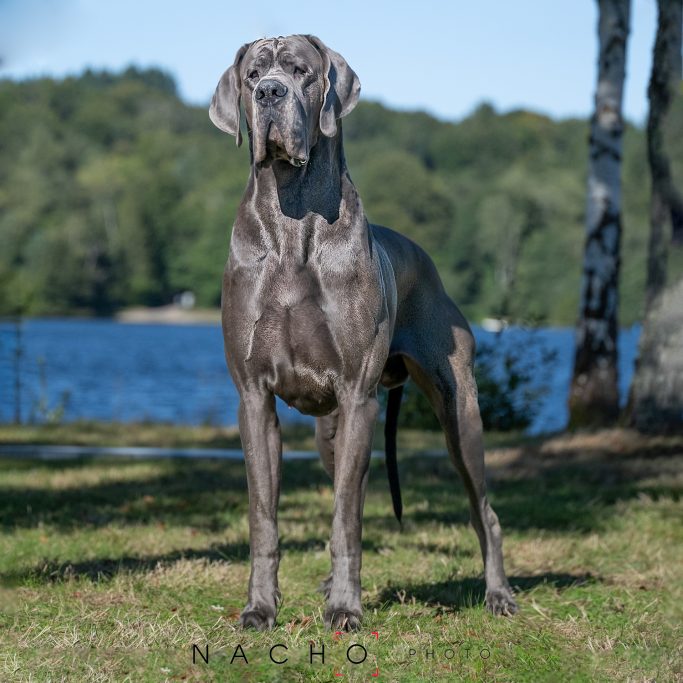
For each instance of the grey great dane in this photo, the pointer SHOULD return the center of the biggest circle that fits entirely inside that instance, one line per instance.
(320, 307)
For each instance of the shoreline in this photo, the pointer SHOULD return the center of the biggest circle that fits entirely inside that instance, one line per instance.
(168, 315)
(172, 314)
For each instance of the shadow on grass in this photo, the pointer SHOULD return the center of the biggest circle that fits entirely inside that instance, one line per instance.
(104, 569)
(561, 493)
(457, 594)
(567, 491)
(205, 494)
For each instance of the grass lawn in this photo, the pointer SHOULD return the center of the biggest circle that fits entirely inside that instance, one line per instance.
(111, 569)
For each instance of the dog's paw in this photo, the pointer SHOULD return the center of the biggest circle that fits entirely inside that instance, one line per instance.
(500, 602)
(340, 619)
(325, 587)
(259, 618)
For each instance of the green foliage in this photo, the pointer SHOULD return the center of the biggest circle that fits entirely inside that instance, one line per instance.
(416, 413)
(113, 192)
(42, 412)
(511, 386)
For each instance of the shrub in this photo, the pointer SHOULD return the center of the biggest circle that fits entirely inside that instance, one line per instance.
(511, 386)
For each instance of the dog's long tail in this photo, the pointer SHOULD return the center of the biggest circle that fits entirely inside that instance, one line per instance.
(390, 427)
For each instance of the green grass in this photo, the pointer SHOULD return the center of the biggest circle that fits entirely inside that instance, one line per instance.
(295, 436)
(111, 569)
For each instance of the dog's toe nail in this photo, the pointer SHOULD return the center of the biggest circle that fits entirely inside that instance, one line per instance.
(343, 620)
(259, 619)
(501, 603)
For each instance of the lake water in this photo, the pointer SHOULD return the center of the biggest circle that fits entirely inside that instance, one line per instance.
(105, 370)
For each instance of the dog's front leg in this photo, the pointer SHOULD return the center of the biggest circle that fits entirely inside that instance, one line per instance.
(260, 433)
(353, 442)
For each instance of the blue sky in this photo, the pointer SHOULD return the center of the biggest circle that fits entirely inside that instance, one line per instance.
(442, 57)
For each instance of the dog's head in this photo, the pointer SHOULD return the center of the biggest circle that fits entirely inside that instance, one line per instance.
(293, 89)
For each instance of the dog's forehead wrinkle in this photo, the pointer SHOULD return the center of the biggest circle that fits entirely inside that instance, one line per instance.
(263, 54)
(294, 46)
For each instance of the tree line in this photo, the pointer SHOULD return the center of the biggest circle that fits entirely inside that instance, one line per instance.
(114, 192)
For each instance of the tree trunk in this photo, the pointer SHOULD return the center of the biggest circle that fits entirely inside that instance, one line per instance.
(594, 394)
(665, 202)
(656, 398)
(657, 391)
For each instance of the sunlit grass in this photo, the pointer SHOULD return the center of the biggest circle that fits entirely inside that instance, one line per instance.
(295, 436)
(111, 569)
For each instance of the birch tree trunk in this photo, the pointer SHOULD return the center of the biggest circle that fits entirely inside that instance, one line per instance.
(594, 395)
(665, 202)
(657, 391)
(656, 400)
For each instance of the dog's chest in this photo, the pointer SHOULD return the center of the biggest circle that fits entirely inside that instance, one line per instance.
(292, 345)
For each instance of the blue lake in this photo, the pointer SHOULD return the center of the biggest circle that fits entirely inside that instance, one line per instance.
(105, 370)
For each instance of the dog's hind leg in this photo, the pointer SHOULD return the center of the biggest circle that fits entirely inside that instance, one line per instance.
(325, 431)
(446, 377)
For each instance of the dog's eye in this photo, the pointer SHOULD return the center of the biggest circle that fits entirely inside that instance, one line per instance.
(252, 75)
(299, 70)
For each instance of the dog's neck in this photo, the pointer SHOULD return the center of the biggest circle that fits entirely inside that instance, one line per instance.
(306, 193)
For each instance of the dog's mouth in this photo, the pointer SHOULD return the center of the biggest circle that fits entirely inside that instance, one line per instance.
(269, 142)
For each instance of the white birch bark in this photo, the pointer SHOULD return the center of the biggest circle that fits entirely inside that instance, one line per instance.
(594, 396)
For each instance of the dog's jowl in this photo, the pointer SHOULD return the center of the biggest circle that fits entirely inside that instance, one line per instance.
(320, 307)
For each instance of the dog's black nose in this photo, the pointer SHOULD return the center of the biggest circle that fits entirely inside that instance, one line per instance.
(270, 91)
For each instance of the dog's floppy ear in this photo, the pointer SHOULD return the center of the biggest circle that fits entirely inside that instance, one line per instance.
(224, 111)
(342, 88)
